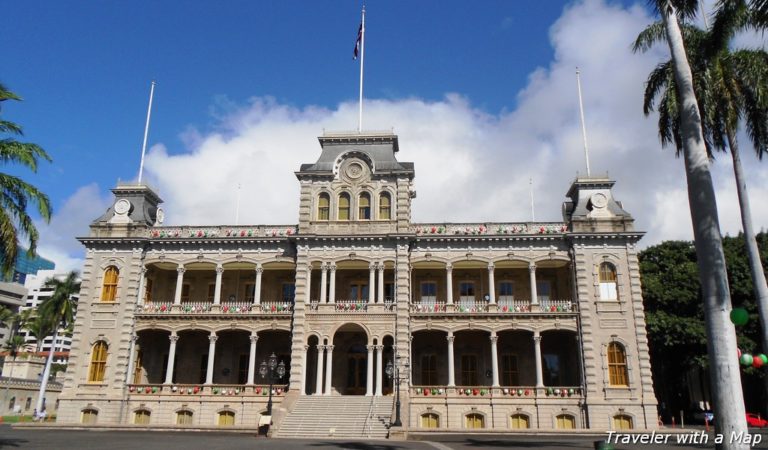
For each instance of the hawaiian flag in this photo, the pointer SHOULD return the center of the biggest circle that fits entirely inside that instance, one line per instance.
(358, 42)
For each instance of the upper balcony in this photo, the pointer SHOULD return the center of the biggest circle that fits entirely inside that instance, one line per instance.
(221, 232)
(488, 228)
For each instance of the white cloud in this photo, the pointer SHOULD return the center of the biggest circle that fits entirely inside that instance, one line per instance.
(470, 165)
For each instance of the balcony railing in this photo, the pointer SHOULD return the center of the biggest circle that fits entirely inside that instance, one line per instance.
(492, 228)
(504, 391)
(221, 232)
(506, 307)
(242, 390)
(268, 307)
(351, 306)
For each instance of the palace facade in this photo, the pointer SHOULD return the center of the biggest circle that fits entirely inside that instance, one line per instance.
(494, 326)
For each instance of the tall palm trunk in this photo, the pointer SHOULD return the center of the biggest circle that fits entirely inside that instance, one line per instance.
(753, 253)
(46, 373)
(721, 335)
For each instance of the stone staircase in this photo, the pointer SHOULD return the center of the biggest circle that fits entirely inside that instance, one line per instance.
(338, 417)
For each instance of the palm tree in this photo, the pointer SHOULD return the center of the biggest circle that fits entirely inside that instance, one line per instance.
(40, 327)
(728, 87)
(6, 315)
(13, 345)
(721, 335)
(16, 194)
(58, 309)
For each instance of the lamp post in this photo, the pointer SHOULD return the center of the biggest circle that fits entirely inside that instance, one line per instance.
(272, 371)
(394, 372)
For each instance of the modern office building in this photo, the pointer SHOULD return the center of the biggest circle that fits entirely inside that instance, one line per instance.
(492, 326)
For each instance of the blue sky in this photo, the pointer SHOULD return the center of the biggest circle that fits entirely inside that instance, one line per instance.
(476, 91)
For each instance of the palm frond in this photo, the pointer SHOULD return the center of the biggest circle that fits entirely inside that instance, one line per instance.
(12, 151)
(10, 127)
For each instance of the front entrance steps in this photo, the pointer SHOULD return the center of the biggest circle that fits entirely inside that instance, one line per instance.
(346, 417)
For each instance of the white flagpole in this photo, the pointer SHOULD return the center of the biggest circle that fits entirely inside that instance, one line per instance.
(362, 59)
(237, 208)
(146, 130)
(533, 212)
(583, 126)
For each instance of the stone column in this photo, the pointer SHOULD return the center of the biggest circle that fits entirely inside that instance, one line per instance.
(534, 294)
(131, 359)
(309, 285)
(379, 368)
(179, 284)
(380, 286)
(171, 358)
(257, 287)
(449, 284)
(332, 287)
(329, 365)
(304, 358)
(371, 283)
(491, 285)
(494, 359)
(451, 373)
(537, 354)
(211, 357)
(217, 288)
(369, 372)
(142, 285)
(319, 380)
(252, 358)
(323, 283)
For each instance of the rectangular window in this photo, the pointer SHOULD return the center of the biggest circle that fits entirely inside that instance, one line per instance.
(211, 292)
(358, 292)
(148, 290)
(428, 292)
(469, 370)
(250, 292)
(506, 292)
(429, 370)
(185, 288)
(552, 369)
(289, 290)
(389, 292)
(242, 372)
(184, 418)
(543, 290)
(509, 374)
(608, 291)
(467, 292)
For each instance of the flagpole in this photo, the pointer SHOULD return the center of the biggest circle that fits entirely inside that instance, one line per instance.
(530, 188)
(583, 126)
(146, 130)
(362, 59)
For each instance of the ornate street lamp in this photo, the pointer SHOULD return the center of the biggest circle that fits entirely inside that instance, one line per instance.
(272, 371)
(394, 372)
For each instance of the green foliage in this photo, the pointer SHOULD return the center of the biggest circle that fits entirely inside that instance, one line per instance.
(16, 195)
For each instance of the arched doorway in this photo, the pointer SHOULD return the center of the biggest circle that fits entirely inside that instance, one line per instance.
(350, 360)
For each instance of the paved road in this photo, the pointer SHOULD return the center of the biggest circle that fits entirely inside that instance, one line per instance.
(146, 440)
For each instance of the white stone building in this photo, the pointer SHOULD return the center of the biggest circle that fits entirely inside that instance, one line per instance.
(496, 326)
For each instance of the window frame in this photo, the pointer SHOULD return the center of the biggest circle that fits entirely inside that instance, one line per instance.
(109, 284)
(618, 369)
(97, 368)
(385, 206)
(142, 417)
(364, 211)
(346, 209)
(229, 415)
(474, 418)
(608, 280)
(427, 299)
(187, 415)
(429, 420)
(324, 211)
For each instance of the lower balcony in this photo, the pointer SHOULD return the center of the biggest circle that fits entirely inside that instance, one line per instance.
(207, 390)
(504, 307)
(521, 392)
(209, 308)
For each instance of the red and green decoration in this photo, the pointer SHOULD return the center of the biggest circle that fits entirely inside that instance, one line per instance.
(740, 317)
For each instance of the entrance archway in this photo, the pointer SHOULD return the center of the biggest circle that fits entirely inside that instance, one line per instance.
(350, 360)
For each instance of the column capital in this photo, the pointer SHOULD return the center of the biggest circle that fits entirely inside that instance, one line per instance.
(329, 348)
(372, 266)
(144, 269)
(450, 338)
(259, 269)
(306, 347)
(134, 337)
(381, 266)
(370, 348)
(491, 266)
(320, 348)
(173, 337)
(324, 266)
(181, 269)
(254, 338)
(448, 267)
(532, 266)
(537, 338)
(378, 347)
(212, 338)
(219, 268)
(332, 267)
(494, 339)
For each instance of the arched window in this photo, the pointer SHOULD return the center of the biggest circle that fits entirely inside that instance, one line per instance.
(98, 363)
(622, 422)
(184, 417)
(474, 420)
(89, 416)
(141, 417)
(519, 422)
(617, 365)
(343, 206)
(226, 418)
(364, 206)
(608, 282)
(109, 288)
(430, 420)
(323, 207)
(385, 206)
(566, 422)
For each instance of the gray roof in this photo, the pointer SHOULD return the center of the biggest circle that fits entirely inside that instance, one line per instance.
(378, 148)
